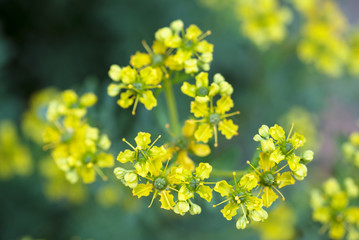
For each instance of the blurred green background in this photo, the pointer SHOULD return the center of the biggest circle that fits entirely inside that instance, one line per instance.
(71, 44)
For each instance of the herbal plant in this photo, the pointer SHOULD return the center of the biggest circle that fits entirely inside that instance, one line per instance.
(178, 57)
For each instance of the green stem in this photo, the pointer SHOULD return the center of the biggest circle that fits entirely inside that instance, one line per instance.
(172, 107)
(225, 173)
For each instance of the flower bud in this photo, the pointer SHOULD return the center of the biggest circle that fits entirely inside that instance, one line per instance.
(301, 172)
(226, 89)
(264, 131)
(163, 34)
(267, 145)
(350, 187)
(194, 209)
(88, 99)
(257, 138)
(119, 172)
(241, 222)
(115, 72)
(181, 207)
(331, 186)
(307, 156)
(259, 215)
(177, 26)
(131, 179)
(218, 78)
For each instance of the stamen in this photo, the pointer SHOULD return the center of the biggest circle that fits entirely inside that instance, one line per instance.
(99, 171)
(129, 144)
(230, 114)
(159, 136)
(255, 169)
(283, 198)
(204, 35)
(290, 131)
(135, 105)
(221, 202)
(215, 136)
(148, 49)
(280, 169)
(153, 198)
(260, 191)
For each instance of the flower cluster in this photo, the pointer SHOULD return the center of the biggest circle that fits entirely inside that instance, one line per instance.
(176, 184)
(323, 42)
(212, 117)
(331, 207)
(174, 49)
(77, 148)
(263, 21)
(34, 120)
(260, 187)
(150, 174)
(15, 158)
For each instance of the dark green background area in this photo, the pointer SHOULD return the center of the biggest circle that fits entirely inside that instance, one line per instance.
(71, 44)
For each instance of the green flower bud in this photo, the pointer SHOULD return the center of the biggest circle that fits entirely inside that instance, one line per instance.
(194, 209)
(226, 89)
(307, 156)
(241, 222)
(131, 179)
(181, 207)
(120, 172)
(177, 26)
(115, 72)
(257, 138)
(264, 131)
(259, 215)
(301, 172)
(218, 78)
(267, 145)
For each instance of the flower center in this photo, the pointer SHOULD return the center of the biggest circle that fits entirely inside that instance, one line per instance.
(141, 156)
(88, 158)
(157, 59)
(268, 179)
(286, 147)
(202, 91)
(181, 142)
(138, 86)
(214, 118)
(193, 184)
(160, 183)
(67, 136)
(189, 44)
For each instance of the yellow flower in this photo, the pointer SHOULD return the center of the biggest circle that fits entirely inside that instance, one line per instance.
(214, 117)
(146, 158)
(138, 85)
(263, 21)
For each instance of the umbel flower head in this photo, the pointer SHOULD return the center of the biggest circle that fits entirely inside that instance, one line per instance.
(331, 207)
(212, 117)
(77, 148)
(276, 153)
(240, 196)
(174, 49)
(137, 85)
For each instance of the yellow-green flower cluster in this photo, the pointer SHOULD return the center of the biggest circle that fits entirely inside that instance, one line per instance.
(174, 49)
(34, 120)
(150, 175)
(57, 188)
(260, 187)
(351, 149)
(263, 21)
(77, 148)
(15, 158)
(323, 43)
(331, 207)
(212, 117)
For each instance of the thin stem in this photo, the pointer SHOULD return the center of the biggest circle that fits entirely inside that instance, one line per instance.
(225, 173)
(172, 107)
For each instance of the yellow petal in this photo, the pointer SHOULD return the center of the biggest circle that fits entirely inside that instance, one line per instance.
(199, 109)
(166, 200)
(203, 132)
(268, 196)
(228, 128)
(148, 99)
(142, 189)
(285, 179)
(200, 150)
(230, 210)
(143, 140)
(224, 104)
(223, 188)
(205, 192)
(188, 89)
(203, 171)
